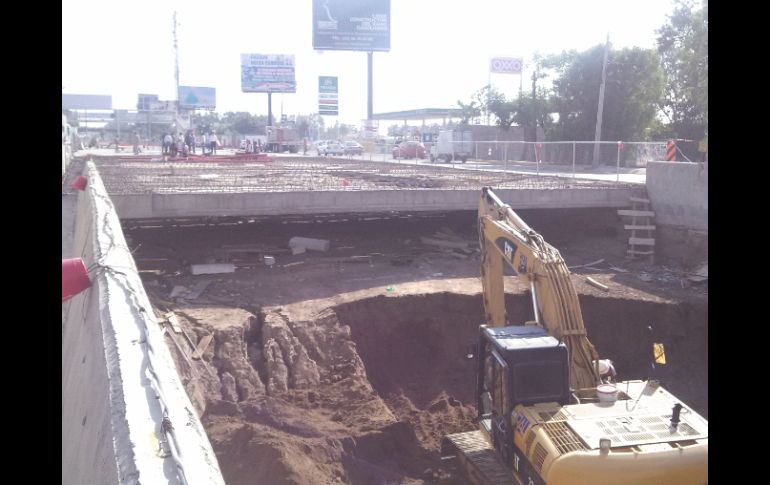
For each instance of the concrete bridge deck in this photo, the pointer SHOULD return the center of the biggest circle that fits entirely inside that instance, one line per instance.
(143, 189)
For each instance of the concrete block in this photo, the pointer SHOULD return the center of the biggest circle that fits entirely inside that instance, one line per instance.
(309, 243)
(197, 269)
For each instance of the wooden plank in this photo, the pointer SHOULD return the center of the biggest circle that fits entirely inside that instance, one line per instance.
(174, 321)
(642, 241)
(639, 199)
(634, 213)
(642, 253)
(202, 346)
(639, 228)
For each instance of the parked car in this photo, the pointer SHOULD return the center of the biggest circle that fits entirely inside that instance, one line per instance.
(333, 148)
(409, 149)
(320, 146)
(353, 148)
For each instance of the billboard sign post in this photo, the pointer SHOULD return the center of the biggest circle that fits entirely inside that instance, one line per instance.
(351, 25)
(328, 95)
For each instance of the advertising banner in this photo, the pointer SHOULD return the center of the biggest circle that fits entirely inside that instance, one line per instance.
(193, 97)
(267, 73)
(351, 25)
(328, 96)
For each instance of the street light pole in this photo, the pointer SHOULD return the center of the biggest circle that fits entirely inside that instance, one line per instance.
(176, 78)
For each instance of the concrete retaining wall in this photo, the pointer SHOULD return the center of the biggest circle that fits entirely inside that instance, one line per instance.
(118, 379)
(678, 192)
(147, 206)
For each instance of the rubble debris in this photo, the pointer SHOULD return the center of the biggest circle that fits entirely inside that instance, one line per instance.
(202, 346)
(444, 243)
(701, 274)
(310, 243)
(596, 284)
(178, 291)
(173, 320)
(216, 268)
(197, 290)
(587, 265)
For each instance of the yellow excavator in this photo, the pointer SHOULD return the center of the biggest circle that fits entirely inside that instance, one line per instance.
(549, 410)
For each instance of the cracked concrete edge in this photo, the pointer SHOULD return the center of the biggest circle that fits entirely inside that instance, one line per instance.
(140, 373)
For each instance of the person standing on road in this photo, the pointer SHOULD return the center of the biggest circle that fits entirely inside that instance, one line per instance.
(189, 140)
(137, 142)
(204, 142)
(214, 141)
(168, 141)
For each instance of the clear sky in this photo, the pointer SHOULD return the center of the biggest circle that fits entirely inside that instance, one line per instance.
(440, 49)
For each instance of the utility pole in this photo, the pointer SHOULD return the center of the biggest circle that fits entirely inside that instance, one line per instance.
(534, 103)
(598, 135)
(176, 78)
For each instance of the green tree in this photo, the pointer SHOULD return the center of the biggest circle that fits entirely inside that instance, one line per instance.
(683, 47)
(244, 123)
(468, 111)
(633, 90)
(207, 122)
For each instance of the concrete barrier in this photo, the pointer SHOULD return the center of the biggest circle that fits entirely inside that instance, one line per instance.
(148, 206)
(126, 418)
(678, 193)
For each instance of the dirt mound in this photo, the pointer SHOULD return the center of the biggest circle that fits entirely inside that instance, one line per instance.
(362, 392)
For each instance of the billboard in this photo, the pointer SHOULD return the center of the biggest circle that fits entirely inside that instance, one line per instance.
(85, 101)
(144, 100)
(505, 65)
(328, 96)
(351, 25)
(193, 97)
(267, 73)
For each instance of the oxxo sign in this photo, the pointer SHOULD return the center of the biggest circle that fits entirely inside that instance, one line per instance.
(505, 65)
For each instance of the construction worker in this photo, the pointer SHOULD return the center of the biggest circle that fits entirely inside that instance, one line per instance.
(137, 141)
(214, 141)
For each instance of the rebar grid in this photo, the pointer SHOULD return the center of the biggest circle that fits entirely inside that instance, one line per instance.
(124, 177)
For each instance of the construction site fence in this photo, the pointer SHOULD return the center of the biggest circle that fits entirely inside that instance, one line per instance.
(629, 154)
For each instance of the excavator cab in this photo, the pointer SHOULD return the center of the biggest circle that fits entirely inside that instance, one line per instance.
(517, 365)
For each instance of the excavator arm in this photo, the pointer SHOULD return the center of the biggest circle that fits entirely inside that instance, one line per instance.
(505, 237)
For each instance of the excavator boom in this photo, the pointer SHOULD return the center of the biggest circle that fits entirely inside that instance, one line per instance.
(505, 237)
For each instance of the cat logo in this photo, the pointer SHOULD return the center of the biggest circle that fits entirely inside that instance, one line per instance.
(522, 264)
(508, 250)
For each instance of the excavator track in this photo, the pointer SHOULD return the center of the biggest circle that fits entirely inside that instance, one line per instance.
(477, 460)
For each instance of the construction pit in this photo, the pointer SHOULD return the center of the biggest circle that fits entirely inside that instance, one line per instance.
(349, 365)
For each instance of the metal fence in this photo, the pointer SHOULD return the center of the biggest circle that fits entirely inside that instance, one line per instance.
(562, 158)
